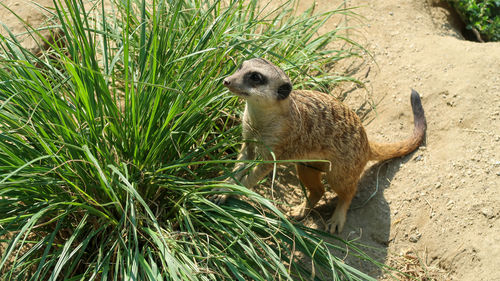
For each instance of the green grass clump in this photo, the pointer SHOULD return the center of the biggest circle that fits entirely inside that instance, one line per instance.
(111, 141)
(480, 15)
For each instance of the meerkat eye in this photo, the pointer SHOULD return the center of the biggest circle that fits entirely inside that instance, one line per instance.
(257, 78)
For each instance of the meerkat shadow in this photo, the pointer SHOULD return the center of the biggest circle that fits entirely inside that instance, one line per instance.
(369, 216)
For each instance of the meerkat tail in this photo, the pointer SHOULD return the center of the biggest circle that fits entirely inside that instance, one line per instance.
(384, 151)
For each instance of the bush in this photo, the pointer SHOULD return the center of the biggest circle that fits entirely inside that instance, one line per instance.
(111, 142)
(482, 16)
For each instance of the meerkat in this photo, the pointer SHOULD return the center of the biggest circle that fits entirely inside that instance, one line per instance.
(309, 125)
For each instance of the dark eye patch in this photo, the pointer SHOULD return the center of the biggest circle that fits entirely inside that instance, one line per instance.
(255, 78)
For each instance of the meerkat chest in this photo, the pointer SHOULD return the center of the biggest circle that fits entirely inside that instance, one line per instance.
(262, 130)
(265, 128)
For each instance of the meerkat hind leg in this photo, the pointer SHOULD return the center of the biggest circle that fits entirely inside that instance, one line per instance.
(345, 192)
(311, 179)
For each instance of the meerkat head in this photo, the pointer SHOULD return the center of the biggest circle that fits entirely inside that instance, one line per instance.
(259, 80)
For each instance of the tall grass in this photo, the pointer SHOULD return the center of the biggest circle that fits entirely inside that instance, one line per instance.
(111, 141)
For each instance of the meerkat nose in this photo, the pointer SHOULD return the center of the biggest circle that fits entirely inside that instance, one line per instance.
(226, 82)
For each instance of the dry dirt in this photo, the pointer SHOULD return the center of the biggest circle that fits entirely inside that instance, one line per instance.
(437, 209)
(434, 213)
(37, 14)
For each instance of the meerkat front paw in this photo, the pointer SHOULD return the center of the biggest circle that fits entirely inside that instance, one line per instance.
(300, 212)
(219, 199)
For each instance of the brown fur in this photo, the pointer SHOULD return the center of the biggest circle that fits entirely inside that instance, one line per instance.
(310, 125)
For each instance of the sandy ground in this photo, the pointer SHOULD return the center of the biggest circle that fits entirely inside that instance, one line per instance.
(435, 213)
(436, 209)
(37, 14)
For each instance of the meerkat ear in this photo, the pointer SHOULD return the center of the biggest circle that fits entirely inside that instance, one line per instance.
(284, 91)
